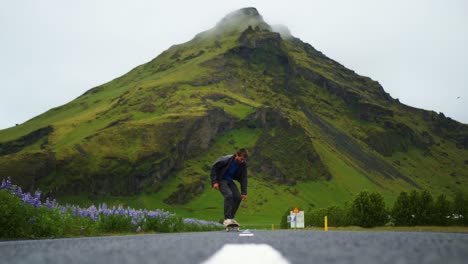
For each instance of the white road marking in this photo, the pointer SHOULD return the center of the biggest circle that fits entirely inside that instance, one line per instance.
(246, 254)
(246, 233)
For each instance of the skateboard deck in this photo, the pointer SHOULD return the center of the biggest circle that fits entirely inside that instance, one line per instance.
(232, 227)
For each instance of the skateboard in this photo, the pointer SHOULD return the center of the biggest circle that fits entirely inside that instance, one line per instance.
(232, 227)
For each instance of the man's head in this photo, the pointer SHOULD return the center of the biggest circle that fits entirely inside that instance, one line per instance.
(241, 155)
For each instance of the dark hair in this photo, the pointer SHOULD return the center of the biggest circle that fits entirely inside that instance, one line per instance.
(243, 152)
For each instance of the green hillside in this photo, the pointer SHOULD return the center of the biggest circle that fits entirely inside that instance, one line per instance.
(318, 133)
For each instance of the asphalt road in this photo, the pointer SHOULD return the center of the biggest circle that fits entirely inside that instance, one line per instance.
(294, 246)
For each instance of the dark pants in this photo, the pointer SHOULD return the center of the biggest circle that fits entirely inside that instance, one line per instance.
(232, 198)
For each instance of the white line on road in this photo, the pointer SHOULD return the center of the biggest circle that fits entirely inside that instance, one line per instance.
(246, 254)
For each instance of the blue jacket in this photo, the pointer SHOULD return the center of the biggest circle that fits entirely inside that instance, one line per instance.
(220, 167)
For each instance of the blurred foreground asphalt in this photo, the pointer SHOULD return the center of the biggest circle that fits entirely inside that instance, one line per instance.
(295, 246)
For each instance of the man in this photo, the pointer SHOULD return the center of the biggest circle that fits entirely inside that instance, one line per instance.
(223, 173)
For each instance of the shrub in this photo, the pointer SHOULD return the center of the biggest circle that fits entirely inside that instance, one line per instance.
(402, 211)
(114, 223)
(14, 216)
(414, 198)
(284, 219)
(21, 220)
(460, 209)
(368, 210)
(441, 211)
(78, 225)
(315, 217)
(336, 215)
(425, 209)
(46, 223)
(162, 221)
(26, 216)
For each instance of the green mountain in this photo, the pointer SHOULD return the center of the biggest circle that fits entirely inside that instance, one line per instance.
(318, 133)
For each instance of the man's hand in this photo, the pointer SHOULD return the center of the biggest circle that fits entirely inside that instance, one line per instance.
(244, 197)
(216, 186)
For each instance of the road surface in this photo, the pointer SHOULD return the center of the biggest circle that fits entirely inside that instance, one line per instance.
(210, 247)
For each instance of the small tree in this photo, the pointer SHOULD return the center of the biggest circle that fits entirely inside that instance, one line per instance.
(414, 198)
(379, 212)
(441, 210)
(460, 209)
(284, 219)
(401, 211)
(425, 208)
(338, 216)
(368, 209)
(315, 217)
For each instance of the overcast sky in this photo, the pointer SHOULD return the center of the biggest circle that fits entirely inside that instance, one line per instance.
(52, 51)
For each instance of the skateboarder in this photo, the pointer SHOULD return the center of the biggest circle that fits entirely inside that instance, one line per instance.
(224, 171)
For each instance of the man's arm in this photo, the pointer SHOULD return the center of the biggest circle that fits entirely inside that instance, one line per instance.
(214, 172)
(243, 181)
(214, 180)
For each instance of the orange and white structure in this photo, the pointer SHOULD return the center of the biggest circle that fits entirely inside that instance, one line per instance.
(296, 218)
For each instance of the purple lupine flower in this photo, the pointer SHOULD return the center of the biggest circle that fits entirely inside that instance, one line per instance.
(92, 212)
(130, 213)
(83, 212)
(3, 186)
(154, 214)
(6, 184)
(189, 221)
(37, 199)
(50, 204)
(18, 191)
(74, 212)
(80, 211)
(36, 202)
(200, 222)
(28, 199)
(137, 217)
(108, 212)
(92, 209)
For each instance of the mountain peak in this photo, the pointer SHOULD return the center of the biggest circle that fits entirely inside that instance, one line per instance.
(242, 14)
(241, 19)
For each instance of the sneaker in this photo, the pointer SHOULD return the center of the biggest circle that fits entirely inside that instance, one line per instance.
(234, 222)
(227, 222)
